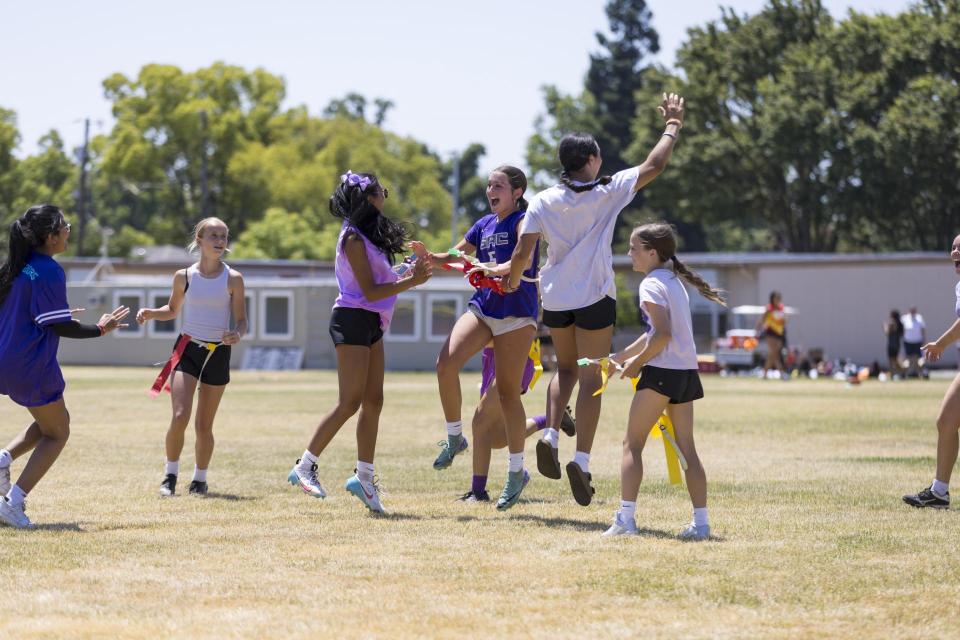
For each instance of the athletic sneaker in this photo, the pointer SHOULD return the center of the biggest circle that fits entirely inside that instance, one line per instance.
(580, 484)
(197, 488)
(369, 496)
(927, 498)
(548, 460)
(475, 496)
(4, 480)
(567, 424)
(449, 449)
(14, 516)
(307, 481)
(516, 481)
(694, 533)
(169, 485)
(621, 527)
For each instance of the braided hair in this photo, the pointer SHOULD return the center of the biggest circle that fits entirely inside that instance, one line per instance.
(662, 237)
(27, 233)
(575, 151)
(349, 202)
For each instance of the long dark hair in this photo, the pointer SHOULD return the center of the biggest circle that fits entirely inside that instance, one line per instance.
(349, 202)
(574, 152)
(517, 180)
(897, 322)
(27, 232)
(662, 237)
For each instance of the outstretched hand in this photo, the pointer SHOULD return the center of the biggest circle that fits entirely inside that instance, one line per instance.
(419, 249)
(110, 321)
(932, 351)
(671, 107)
(422, 270)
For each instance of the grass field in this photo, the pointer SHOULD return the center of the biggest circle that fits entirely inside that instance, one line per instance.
(812, 539)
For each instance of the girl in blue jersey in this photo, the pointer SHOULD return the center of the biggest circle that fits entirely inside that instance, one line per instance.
(510, 320)
(34, 315)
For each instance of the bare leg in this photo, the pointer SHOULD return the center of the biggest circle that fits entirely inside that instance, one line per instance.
(645, 410)
(590, 344)
(53, 421)
(561, 384)
(469, 335)
(511, 351)
(25, 441)
(352, 364)
(370, 407)
(488, 428)
(207, 406)
(682, 417)
(182, 387)
(947, 438)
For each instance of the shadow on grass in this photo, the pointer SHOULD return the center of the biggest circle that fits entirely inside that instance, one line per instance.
(227, 497)
(580, 525)
(394, 515)
(59, 526)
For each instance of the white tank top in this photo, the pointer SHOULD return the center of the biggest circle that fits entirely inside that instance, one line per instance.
(206, 305)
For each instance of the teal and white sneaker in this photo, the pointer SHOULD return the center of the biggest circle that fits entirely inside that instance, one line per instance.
(306, 481)
(454, 446)
(368, 495)
(14, 516)
(516, 481)
(4, 480)
(694, 533)
(621, 527)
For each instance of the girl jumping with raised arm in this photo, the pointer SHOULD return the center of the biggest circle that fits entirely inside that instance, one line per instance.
(665, 358)
(369, 286)
(577, 287)
(34, 315)
(208, 292)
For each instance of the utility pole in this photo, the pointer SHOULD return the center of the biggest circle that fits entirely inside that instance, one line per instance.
(204, 191)
(456, 199)
(82, 195)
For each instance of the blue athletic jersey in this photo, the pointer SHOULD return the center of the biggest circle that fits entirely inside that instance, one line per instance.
(29, 372)
(495, 241)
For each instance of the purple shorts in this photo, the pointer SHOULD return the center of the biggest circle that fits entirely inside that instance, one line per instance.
(490, 372)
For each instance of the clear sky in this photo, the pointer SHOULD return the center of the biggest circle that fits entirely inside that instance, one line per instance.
(458, 71)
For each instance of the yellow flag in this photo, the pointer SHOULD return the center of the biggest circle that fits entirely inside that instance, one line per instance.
(537, 362)
(673, 462)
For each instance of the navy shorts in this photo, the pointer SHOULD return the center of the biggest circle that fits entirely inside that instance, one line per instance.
(355, 327)
(599, 315)
(912, 348)
(680, 385)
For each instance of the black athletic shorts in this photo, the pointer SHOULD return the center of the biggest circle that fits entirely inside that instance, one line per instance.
(355, 326)
(680, 385)
(599, 315)
(912, 348)
(217, 368)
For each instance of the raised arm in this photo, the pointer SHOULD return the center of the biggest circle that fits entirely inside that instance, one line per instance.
(439, 259)
(671, 108)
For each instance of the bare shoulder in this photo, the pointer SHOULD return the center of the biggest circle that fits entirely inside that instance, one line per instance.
(234, 277)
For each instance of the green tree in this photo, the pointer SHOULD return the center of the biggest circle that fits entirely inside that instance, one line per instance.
(9, 141)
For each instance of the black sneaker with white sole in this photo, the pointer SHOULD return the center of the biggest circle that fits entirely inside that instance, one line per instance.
(169, 485)
(567, 424)
(927, 498)
(198, 488)
(548, 460)
(580, 484)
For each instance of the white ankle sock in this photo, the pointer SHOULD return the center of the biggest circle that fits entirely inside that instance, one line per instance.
(628, 510)
(16, 496)
(307, 460)
(199, 475)
(582, 459)
(5, 458)
(940, 488)
(515, 462)
(700, 517)
(173, 467)
(365, 471)
(552, 436)
(455, 428)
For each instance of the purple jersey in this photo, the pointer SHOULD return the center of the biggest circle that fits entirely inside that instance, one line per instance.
(490, 372)
(495, 241)
(29, 373)
(350, 293)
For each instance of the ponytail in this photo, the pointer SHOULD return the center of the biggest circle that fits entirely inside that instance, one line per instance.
(693, 278)
(580, 188)
(27, 233)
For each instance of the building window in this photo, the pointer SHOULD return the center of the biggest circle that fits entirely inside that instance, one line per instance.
(132, 298)
(405, 326)
(276, 315)
(160, 328)
(442, 314)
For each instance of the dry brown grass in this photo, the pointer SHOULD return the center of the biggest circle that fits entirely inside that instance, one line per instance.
(805, 480)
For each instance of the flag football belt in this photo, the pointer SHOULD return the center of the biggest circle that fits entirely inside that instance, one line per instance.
(161, 383)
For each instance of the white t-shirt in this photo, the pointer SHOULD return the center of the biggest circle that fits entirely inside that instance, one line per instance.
(578, 229)
(665, 289)
(913, 327)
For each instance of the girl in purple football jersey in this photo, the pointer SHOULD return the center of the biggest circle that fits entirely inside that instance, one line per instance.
(510, 320)
(34, 315)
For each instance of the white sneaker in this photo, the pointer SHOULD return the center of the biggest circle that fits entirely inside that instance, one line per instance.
(621, 527)
(14, 516)
(694, 533)
(4, 480)
(306, 480)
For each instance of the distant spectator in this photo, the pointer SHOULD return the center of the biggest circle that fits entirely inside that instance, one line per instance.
(893, 328)
(914, 335)
(772, 327)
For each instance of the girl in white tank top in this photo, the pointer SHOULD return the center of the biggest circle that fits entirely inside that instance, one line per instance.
(208, 291)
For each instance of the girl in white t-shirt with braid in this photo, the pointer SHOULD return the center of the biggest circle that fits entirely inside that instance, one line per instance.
(665, 358)
(577, 219)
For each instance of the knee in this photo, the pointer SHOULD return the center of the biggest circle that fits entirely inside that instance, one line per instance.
(349, 405)
(507, 399)
(633, 446)
(181, 416)
(373, 403)
(946, 425)
(204, 429)
(446, 367)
